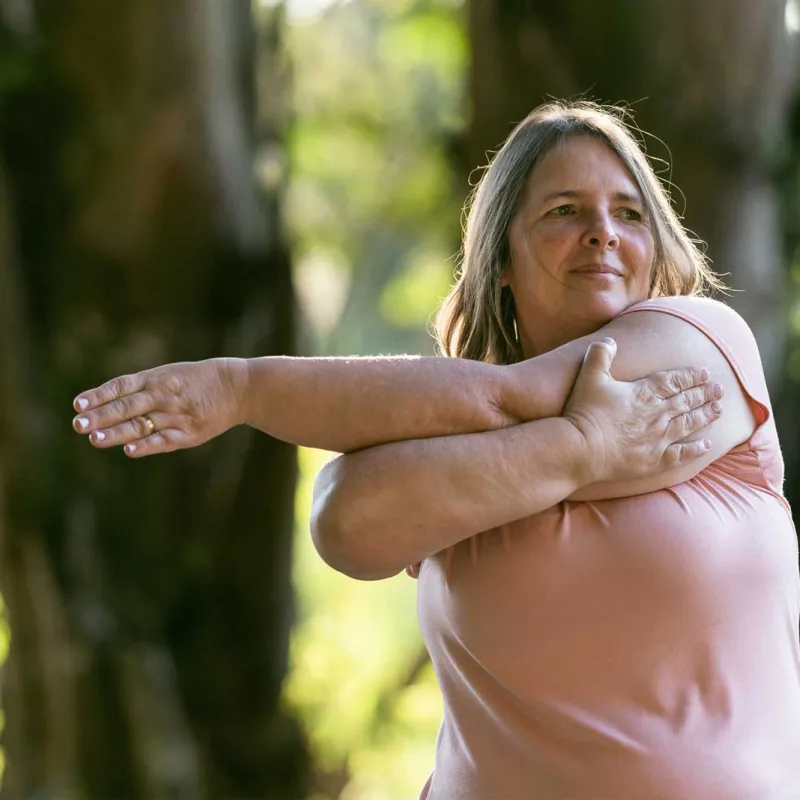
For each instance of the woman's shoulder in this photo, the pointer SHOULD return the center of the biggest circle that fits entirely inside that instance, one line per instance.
(707, 313)
(731, 334)
(720, 323)
(690, 303)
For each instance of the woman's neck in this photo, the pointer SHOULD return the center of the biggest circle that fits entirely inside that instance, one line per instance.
(543, 337)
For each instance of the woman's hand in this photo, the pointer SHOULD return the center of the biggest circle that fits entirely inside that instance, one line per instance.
(168, 408)
(636, 429)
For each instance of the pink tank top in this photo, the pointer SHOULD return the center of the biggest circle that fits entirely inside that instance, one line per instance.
(641, 648)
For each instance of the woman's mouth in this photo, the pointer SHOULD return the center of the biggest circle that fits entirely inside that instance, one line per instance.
(600, 272)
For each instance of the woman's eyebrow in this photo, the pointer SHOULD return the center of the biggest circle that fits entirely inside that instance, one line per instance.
(623, 197)
(626, 197)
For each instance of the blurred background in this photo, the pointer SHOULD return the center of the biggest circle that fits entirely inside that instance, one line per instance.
(193, 178)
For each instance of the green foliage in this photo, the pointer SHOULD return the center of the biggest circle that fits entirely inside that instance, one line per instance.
(17, 63)
(406, 298)
(378, 87)
(5, 644)
(373, 208)
(353, 651)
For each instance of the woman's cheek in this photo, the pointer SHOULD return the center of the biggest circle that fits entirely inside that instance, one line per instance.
(642, 257)
(547, 236)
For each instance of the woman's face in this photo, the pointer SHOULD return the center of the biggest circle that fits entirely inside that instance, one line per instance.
(581, 245)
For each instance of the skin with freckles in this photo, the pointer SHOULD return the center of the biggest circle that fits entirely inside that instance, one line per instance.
(581, 245)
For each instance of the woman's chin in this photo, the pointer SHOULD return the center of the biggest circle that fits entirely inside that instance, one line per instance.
(601, 307)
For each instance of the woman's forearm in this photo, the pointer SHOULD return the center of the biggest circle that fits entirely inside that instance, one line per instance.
(419, 497)
(347, 404)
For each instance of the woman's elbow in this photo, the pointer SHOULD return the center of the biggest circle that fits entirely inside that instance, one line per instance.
(338, 528)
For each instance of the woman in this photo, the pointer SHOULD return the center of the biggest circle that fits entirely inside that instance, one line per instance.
(608, 580)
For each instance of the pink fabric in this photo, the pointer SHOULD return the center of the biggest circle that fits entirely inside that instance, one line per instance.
(642, 647)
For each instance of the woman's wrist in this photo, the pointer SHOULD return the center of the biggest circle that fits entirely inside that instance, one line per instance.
(582, 462)
(237, 376)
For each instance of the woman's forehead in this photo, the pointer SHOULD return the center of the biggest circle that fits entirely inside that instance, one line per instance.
(581, 165)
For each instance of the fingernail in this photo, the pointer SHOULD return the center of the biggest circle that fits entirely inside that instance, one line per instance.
(81, 403)
(717, 391)
(716, 407)
(704, 374)
(707, 443)
(99, 436)
(130, 449)
(83, 423)
(608, 340)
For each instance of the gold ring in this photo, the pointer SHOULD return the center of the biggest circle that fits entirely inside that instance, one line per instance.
(151, 426)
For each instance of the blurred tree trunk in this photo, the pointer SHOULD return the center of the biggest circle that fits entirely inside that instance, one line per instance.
(150, 601)
(714, 80)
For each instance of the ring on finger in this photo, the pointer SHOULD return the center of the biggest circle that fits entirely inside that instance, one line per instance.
(151, 426)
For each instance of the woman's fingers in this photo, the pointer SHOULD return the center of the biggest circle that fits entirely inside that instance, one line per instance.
(684, 452)
(160, 442)
(691, 422)
(664, 385)
(111, 390)
(139, 440)
(131, 430)
(600, 355)
(114, 412)
(693, 398)
(159, 410)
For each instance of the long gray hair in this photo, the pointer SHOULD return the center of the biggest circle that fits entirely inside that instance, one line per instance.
(477, 319)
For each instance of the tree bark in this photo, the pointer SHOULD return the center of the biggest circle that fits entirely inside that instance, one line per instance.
(150, 601)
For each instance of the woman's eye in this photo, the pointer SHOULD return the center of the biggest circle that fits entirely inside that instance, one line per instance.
(562, 211)
(632, 214)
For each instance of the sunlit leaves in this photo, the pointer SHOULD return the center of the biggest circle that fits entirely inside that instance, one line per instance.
(355, 643)
(5, 644)
(322, 281)
(408, 298)
(427, 53)
(378, 88)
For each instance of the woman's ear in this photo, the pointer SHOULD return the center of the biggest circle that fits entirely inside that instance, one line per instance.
(505, 278)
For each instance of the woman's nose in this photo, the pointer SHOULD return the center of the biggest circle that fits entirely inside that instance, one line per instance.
(600, 233)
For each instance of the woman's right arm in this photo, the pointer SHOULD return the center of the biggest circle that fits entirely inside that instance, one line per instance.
(380, 509)
(402, 509)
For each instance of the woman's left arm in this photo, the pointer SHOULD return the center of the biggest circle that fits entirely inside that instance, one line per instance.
(338, 404)
(346, 405)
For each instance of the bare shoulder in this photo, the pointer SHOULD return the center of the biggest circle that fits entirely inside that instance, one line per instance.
(671, 332)
(716, 319)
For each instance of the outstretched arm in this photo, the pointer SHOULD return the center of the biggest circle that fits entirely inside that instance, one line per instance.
(347, 404)
(337, 404)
